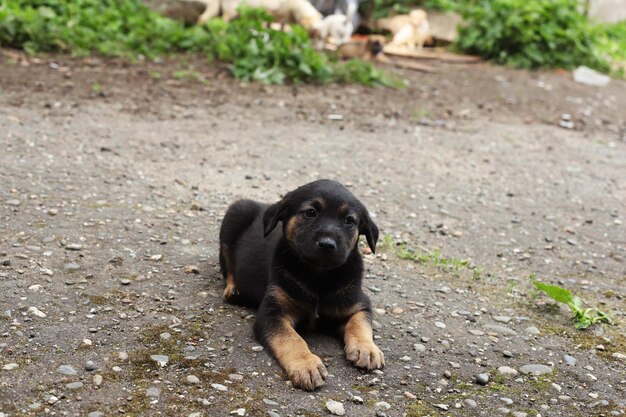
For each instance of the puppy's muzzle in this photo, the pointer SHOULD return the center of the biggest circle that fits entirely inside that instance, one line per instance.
(327, 244)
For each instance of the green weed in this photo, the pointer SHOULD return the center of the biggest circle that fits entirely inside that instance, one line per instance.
(127, 28)
(531, 34)
(583, 317)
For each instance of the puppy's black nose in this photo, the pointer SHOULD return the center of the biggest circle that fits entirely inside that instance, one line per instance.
(327, 243)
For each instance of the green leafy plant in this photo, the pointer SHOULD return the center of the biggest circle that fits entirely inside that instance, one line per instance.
(127, 28)
(531, 34)
(583, 317)
(611, 45)
(364, 73)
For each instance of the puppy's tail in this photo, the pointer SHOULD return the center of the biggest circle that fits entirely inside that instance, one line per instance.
(238, 218)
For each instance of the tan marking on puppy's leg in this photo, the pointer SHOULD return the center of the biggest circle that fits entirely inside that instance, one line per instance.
(360, 348)
(305, 370)
(231, 289)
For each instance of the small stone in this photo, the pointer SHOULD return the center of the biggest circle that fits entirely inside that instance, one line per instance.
(72, 266)
(191, 269)
(193, 380)
(374, 288)
(196, 414)
(507, 371)
(405, 359)
(506, 400)
(535, 369)
(90, 366)
(569, 360)
(269, 402)
(156, 257)
(382, 405)
(257, 348)
(476, 332)
(507, 354)
(96, 414)
(502, 319)
(501, 329)
(418, 347)
(235, 377)
(125, 281)
(410, 395)
(36, 312)
(273, 413)
(161, 360)
(239, 412)
(87, 342)
(397, 310)
(470, 403)
(74, 385)
(532, 330)
(122, 355)
(165, 336)
(13, 202)
(153, 392)
(335, 407)
(440, 325)
(66, 370)
(219, 387)
(519, 414)
(618, 355)
(74, 246)
(482, 379)
(443, 407)
(97, 380)
(503, 410)
(52, 399)
(10, 366)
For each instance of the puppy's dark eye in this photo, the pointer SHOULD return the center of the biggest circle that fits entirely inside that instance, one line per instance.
(350, 220)
(310, 213)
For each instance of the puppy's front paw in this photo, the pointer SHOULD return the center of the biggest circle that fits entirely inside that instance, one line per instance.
(308, 373)
(365, 355)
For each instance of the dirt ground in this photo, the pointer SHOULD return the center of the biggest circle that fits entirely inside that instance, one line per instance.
(114, 178)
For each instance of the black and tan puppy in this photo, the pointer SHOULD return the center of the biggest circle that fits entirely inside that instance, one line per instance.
(307, 272)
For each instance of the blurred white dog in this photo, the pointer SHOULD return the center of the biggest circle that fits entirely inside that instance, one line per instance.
(336, 28)
(284, 11)
(415, 32)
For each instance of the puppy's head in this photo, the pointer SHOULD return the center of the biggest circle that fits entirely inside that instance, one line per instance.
(322, 222)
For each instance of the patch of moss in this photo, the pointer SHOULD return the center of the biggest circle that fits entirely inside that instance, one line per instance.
(420, 409)
(98, 299)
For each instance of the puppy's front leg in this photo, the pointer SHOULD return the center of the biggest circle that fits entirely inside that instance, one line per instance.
(359, 339)
(274, 327)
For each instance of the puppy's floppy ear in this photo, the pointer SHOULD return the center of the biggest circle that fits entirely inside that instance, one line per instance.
(275, 213)
(368, 228)
(271, 217)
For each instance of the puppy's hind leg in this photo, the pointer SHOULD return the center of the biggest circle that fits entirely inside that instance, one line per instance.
(237, 219)
(231, 291)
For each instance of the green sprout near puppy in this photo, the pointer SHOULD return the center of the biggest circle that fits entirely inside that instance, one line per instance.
(583, 317)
